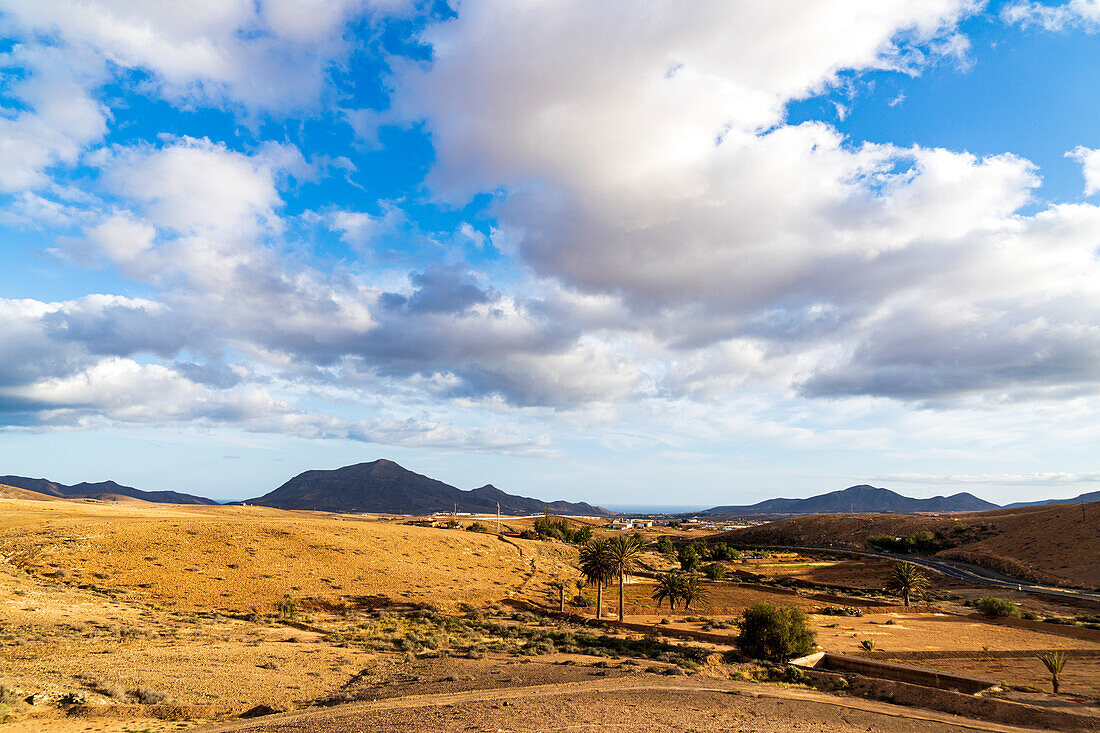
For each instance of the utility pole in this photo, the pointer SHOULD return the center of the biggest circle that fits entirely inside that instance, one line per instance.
(498, 517)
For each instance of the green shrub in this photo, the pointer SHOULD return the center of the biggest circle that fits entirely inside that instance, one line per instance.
(288, 608)
(720, 552)
(840, 611)
(665, 546)
(689, 557)
(715, 571)
(477, 527)
(776, 633)
(996, 607)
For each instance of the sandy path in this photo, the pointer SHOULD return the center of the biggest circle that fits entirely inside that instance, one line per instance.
(358, 716)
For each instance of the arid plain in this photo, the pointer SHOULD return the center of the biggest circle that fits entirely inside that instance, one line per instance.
(130, 616)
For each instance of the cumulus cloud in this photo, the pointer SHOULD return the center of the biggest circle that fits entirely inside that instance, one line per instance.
(269, 55)
(665, 235)
(1089, 158)
(644, 158)
(57, 115)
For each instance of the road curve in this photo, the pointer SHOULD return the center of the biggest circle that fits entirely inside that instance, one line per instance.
(952, 569)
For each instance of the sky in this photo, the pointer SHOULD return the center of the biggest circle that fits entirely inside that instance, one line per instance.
(689, 252)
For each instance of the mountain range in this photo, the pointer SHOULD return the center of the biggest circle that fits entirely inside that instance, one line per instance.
(1079, 499)
(102, 489)
(862, 498)
(383, 486)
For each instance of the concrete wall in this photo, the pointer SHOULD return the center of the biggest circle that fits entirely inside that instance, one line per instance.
(902, 673)
(970, 706)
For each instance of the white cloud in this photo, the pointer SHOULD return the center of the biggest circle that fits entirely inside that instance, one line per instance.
(1089, 158)
(58, 118)
(270, 55)
(1085, 13)
(122, 237)
(643, 157)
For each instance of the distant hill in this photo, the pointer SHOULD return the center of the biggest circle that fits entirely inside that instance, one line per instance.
(1058, 540)
(1081, 499)
(862, 498)
(100, 490)
(385, 487)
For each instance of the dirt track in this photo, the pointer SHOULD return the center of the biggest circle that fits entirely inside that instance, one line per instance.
(626, 704)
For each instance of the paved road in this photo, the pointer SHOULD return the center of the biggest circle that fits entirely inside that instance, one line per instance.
(957, 570)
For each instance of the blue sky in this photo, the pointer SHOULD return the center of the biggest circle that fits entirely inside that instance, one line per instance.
(707, 253)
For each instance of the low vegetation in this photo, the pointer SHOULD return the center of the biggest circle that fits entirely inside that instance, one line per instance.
(922, 541)
(715, 571)
(427, 633)
(775, 633)
(996, 607)
(547, 527)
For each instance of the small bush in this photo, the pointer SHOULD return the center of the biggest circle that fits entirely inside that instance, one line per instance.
(148, 696)
(996, 607)
(112, 690)
(840, 611)
(715, 571)
(776, 633)
(288, 608)
(477, 527)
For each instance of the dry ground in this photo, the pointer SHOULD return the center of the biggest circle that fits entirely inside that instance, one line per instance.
(112, 603)
(233, 559)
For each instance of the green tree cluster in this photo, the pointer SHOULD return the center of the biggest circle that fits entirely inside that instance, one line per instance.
(559, 528)
(676, 588)
(922, 541)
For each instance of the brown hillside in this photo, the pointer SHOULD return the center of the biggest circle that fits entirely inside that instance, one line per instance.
(10, 492)
(236, 558)
(1053, 540)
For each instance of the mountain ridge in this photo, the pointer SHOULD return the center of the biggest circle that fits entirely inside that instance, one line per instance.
(858, 499)
(93, 490)
(383, 486)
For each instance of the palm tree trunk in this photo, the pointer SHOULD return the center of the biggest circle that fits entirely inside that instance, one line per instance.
(1054, 683)
(599, 600)
(621, 614)
(907, 599)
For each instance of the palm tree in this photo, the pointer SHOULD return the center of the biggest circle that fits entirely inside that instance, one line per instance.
(1054, 662)
(906, 580)
(624, 552)
(668, 588)
(597, 567)
(691, 590)
(560, 586)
